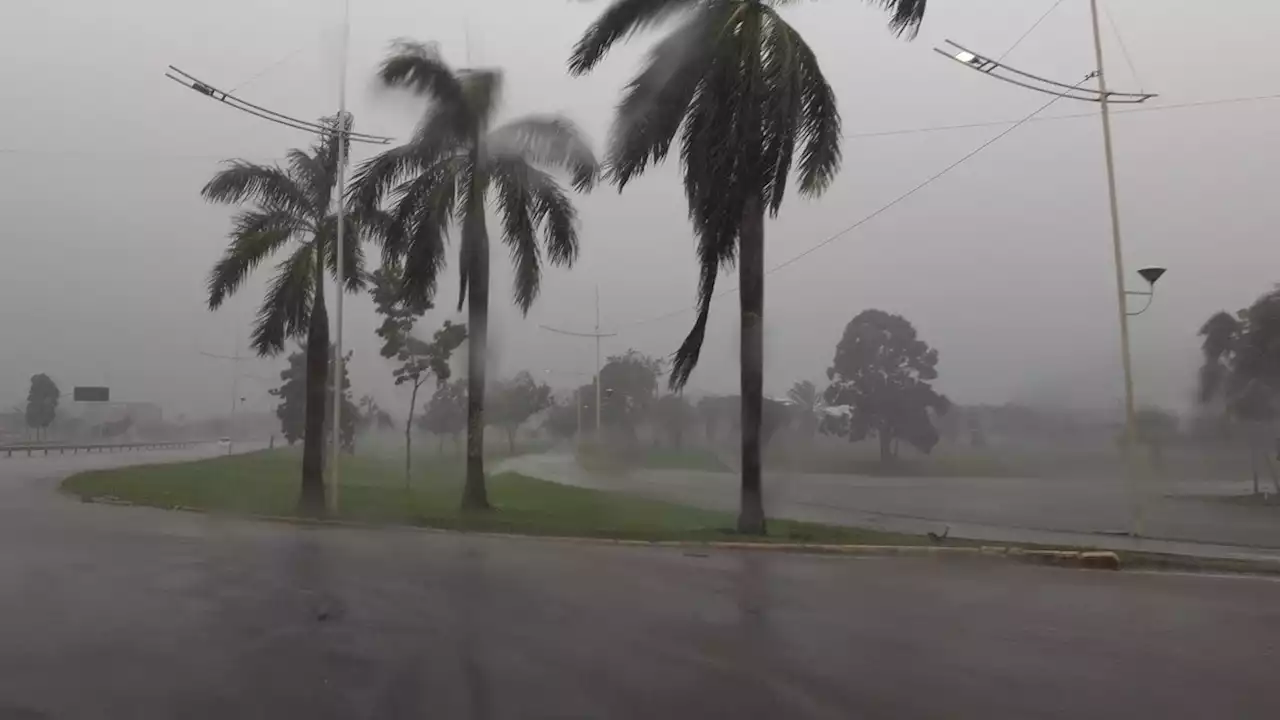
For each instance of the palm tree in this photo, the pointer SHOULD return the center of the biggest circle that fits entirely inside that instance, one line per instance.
(807, 401)
(742, 89)
(445, 174)
(290, 215)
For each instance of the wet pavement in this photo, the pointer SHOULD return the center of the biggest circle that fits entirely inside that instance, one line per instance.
(111, 612)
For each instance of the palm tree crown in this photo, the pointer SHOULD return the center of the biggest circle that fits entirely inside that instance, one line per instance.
(744, 93)
(447, 170)
(290, 212)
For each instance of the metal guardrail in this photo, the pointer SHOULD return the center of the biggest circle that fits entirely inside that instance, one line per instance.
(30, 450)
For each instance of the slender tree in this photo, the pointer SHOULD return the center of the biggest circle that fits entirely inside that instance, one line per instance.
(290, 213)
(454, 163)
(744, 92)
(419, 360)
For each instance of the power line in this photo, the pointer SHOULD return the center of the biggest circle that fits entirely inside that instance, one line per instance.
(883, 208)
(1072, 116)
(1124, 49)
(851, 136)
(1030, 30)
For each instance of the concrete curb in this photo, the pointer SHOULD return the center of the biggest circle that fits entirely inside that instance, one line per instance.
(1093, 560)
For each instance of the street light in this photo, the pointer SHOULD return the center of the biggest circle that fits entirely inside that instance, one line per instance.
(1104, 97)
(1151, 275)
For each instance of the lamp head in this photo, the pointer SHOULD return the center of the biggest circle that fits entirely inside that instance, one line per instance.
(1151, 274)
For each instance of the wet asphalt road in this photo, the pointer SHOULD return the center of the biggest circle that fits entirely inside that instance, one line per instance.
(110, 612)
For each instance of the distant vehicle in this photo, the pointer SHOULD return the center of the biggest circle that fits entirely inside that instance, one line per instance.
(224, 442)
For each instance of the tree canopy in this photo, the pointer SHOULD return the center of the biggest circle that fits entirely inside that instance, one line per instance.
(291, 410)
(1241, 368)
(629, 386)
(514, 401)
(881, 379)
(42, 403)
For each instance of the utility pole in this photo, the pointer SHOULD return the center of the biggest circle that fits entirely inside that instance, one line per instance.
(597, 335)
(598, 381)
(996, 68)
(340, 252)
(1130, 424)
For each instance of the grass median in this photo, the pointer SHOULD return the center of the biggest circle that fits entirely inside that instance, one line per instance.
(373, 491)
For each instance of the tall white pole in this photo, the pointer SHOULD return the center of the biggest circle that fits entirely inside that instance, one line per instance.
(1130, 427)
(599, 380)
(340, 249)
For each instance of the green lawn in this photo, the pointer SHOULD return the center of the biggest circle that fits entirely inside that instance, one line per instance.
(266, 483)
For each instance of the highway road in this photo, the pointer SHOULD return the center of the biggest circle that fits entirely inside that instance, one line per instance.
(1082, 511)
(110, 612)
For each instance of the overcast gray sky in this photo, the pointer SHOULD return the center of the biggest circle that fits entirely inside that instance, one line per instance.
(1004, 265)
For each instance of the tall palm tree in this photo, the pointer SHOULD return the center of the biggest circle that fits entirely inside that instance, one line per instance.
(290, 214)
(742, 89)
(445, 173)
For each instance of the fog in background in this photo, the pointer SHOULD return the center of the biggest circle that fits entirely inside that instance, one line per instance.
(1004, 265)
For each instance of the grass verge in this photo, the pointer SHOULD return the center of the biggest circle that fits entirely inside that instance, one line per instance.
(373, 491)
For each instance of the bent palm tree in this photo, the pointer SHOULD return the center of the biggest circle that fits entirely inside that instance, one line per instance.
(445, 174)
(742, 89)
(290, 215)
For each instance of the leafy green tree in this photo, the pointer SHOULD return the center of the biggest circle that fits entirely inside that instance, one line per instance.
(630, 387)
(881, 373)
(1240, 375)
(514, 401)
(419, 360)
(746, 95)
(446, 411)
(42, 404)
(453, 164)
(290, 213)
(292, 408)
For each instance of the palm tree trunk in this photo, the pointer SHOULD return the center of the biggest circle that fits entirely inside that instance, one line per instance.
(474, 496)
(408, 440)
(311, 500)
(751, 292)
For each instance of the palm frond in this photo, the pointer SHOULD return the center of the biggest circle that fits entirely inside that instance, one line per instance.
(550, 140)
(311, 176)
(380, 174)
(267, 185)
(550, 209)
(655, 102)
(782, 105)
(419, 68)
(286, 309)
(423, 211)
(620, 20)
(906, 15)
(353, 255)
(819, 134)
(256, 236)
(514, 205)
